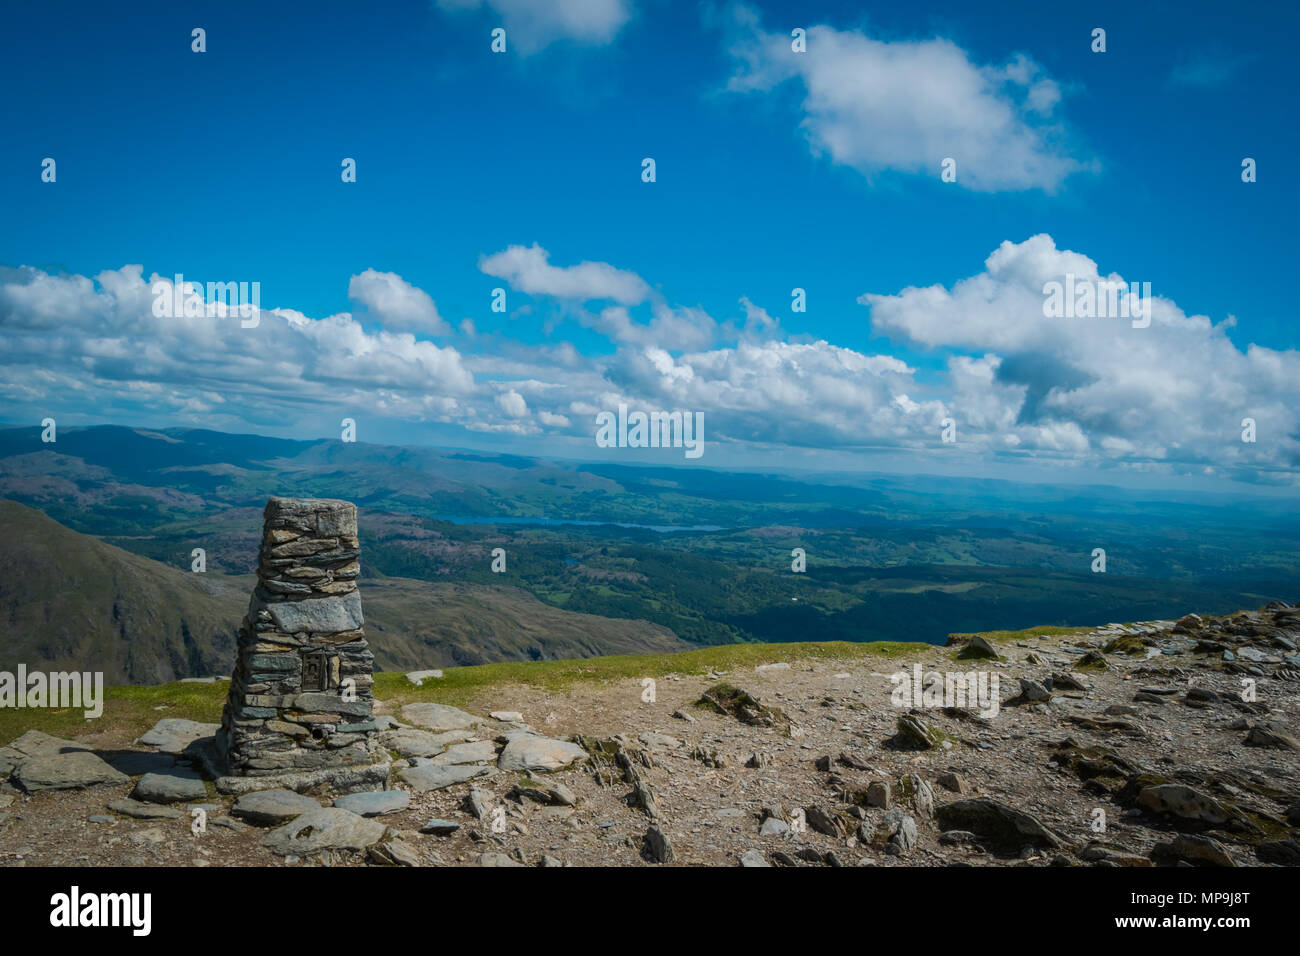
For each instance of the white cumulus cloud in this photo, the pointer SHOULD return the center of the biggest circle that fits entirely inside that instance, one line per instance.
(906, 105)
(397, 304)
(532, 25)
(1098, 392)
(1174, 392)
(528, 269)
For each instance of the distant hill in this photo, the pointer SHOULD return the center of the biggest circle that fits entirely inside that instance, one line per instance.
(70, 601)
(416, 623)
(705, 555)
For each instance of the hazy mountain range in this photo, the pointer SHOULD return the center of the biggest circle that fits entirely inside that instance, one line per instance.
(95, 561)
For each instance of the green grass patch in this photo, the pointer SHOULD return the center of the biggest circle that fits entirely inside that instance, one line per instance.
(130, 711)
(461, 685)
(1043, 630)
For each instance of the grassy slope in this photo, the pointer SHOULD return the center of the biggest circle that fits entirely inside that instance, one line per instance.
(417, 624)
(70, 601)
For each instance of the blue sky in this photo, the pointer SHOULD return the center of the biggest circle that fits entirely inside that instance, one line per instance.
(774, 170)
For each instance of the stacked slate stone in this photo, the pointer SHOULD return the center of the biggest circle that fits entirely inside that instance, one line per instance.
(300, 696)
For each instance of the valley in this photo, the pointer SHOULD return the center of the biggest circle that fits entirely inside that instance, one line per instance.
(600, 559)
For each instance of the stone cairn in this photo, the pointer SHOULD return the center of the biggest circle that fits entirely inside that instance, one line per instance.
(300, 696)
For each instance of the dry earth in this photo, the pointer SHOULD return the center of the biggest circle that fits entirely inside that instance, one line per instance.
(1157, 758)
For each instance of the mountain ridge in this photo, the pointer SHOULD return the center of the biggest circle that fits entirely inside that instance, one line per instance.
(73, 602)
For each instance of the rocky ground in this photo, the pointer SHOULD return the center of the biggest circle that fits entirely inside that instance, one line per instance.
(1163, 743)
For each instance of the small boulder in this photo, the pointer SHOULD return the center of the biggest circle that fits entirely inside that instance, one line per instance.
(396, 850)
(656, 847)
(74, 770)
(1031, 691)
(953, 781)
(1194, 849)
(268, 808)
(1185, 804)
(977, 649)
(996, 822)
(913, 735)
(325, 828)
(175, 785)
(1272, 737)
(440, 827)
(824, 821)
(532, 753)
(1281, 852)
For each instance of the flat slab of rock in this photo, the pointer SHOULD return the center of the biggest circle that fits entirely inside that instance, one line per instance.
(172, 735)
(325, 828)
(438, 717)
(145, 811)
(514, 733)
(374, 804)
(323, 615)
(37, 742)
(530, 752)
(31, 744)
(440, 827)
(410, 742)
(74, 770)
(268, 808)
(426, 778)
(480, 751)
(349, 779)
(170, 786)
